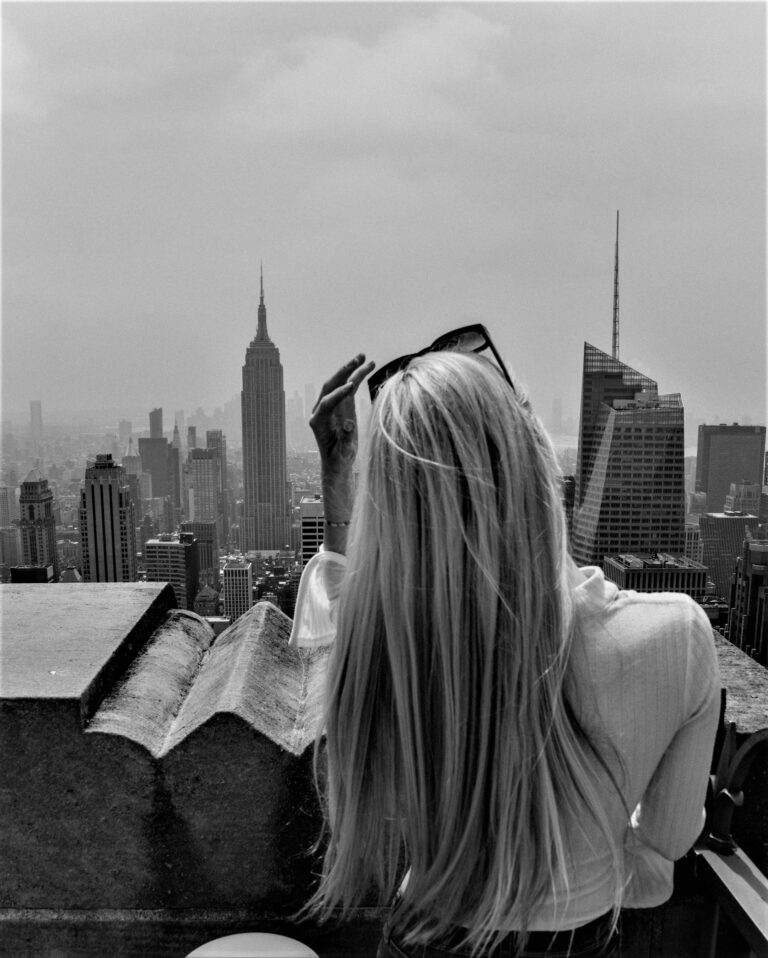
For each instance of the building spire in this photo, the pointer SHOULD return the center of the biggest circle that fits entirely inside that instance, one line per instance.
(615, 348)
(261, 333)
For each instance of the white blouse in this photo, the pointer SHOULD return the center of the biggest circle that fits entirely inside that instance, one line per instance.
(649, 664)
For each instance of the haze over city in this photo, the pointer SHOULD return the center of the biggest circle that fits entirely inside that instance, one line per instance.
(400, 169)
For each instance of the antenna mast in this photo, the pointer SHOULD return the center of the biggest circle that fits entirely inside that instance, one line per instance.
(615, 351)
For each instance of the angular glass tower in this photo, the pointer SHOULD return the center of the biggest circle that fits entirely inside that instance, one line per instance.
(630, 483)
(265, 511)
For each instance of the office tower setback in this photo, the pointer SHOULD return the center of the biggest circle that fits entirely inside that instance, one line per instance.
(158, 460)
(238, 588)
(174, 559)
(727, 454)
(722, 539)
(748, 620)
(630, 489)
(107, 524)
(312, 514)
(266, 517)
(37, 524)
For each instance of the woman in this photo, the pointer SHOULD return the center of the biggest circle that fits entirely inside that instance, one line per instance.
(495, 715)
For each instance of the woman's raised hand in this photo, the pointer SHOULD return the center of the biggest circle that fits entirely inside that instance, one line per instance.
(334, 421)
(334, 424)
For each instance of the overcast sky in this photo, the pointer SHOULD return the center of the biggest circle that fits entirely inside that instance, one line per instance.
(401, 169)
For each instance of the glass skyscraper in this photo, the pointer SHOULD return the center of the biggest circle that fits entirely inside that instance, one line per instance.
(266, 517)
(630, 483)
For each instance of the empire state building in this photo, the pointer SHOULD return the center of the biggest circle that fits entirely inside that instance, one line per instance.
(265, 514)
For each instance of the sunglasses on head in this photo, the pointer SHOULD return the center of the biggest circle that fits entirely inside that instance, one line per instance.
(467, 339)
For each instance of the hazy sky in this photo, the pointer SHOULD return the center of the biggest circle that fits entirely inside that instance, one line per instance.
(401, 169)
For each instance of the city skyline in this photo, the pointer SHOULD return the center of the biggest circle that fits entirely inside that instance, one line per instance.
(401, 169)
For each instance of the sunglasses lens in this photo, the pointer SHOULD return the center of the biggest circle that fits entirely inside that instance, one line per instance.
(463, 342)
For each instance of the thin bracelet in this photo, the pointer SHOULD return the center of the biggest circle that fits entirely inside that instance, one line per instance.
(337, 525)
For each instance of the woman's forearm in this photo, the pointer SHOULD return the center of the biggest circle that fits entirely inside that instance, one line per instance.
(338, 498)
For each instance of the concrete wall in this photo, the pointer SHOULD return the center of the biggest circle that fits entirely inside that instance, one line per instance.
(156, 787)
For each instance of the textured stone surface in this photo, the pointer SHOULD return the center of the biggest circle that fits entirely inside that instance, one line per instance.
(189, 786)
(156, 784)
(72, 646)
(747, 685)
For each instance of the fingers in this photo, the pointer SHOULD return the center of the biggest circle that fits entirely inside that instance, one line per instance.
(326, 403)
(351, 373)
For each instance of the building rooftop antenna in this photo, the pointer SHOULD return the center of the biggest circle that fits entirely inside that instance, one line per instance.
(615, 346)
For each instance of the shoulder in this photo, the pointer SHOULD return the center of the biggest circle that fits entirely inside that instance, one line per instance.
(664, 638)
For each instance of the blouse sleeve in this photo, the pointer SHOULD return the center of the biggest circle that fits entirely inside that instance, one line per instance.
(670, 815)
(314, 619)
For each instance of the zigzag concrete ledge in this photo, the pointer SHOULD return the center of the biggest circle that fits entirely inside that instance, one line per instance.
(157, 787)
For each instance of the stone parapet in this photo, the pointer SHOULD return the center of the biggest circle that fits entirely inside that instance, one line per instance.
(157, 781)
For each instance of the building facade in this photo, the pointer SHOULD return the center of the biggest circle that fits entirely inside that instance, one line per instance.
(660, 572)
(174, 559)
(37, 524)
(312, 515)
(203, 479)
(748, 619)
(238, 588)
(722, 539)
(207, 535)
(726, 454)
(6, 497)
(266, 518)
(107, 524)
(630, 481)
(743, 497)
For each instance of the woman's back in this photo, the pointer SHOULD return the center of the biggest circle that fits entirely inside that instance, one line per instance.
(464, 738)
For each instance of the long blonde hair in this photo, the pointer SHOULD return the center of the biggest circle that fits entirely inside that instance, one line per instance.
(451, 748)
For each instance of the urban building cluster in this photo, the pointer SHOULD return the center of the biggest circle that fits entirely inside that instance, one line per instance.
(231, 526)
(172, 507)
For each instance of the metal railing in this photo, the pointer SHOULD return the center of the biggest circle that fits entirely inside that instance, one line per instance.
(736, 885)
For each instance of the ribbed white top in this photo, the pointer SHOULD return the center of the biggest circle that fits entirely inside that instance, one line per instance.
(647, 666)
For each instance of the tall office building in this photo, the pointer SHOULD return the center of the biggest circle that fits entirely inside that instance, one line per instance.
(630, 483)
(5, 506)
(312, 514)
(217, 441)
(207, 535)
(203, 470)
(156, 459)
(174, 559)
(722, 539)
(266, 517)
(238, 588)
(748, 619)
(37, 524)
(156, 423)
(727, 454)
(107, 524)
